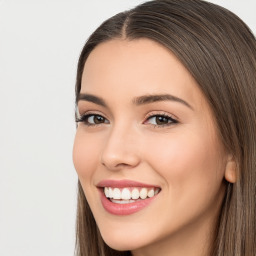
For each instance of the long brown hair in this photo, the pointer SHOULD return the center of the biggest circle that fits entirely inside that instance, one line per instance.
(219, 50)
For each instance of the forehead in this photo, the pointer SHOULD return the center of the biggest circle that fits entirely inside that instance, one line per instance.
(137, 67)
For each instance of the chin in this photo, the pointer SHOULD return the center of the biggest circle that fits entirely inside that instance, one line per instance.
(124, 242)
(120, 245)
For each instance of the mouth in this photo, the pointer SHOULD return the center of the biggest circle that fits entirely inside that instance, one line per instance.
(126, 197)
(130, 194)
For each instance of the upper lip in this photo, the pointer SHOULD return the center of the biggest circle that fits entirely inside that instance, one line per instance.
(124, 184)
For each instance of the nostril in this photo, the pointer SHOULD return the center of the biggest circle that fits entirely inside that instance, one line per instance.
(120, 161)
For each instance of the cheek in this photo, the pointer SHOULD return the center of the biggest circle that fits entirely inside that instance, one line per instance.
(187, 161)
(192, 174)
(85, 155)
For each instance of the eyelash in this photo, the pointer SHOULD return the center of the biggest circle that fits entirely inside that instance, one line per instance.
(171, 120)
(84, 119)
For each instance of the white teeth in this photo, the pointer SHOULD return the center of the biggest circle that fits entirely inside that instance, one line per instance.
(122, 201)
(116, 193)
(106, 192)
(135, 193)
(126, 194)
(143, 193)
(151, 193)
(110, 193)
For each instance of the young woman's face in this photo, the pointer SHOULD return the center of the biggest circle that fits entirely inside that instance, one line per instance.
(147, 137)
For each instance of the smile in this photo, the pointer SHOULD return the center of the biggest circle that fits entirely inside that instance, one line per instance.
(129, 195)
(125, 197)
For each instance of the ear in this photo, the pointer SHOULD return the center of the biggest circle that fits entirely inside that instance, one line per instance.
(231, 170)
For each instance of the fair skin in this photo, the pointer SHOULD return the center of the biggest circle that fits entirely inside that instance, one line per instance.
(171, 143)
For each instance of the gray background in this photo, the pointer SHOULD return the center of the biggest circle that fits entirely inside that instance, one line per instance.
(40, 42)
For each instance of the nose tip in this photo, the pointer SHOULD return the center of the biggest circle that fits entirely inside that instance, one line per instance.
(117, 161)
(120, 152)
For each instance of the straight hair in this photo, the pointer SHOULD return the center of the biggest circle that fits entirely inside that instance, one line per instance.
(219, 51)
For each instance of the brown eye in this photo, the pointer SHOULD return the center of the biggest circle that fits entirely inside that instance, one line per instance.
(96, 119)
(92, 119)
(161, 120)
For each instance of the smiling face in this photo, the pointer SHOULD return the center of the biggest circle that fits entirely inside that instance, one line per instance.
(146, 133)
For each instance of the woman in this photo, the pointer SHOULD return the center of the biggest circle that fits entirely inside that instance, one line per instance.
(165, 145)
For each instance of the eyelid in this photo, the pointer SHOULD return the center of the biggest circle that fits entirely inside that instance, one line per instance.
(81, 117)
(174, 119)
(161, 113)
(86, 114)
(89, 112)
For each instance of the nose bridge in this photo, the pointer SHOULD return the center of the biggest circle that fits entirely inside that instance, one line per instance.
(121, 148)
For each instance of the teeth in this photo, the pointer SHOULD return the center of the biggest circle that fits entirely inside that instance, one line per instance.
(128, 195)
(110, 193)
(106, 191)
(135, 193)
(116, 193)
(143, 193)
(157, 191)
(151, 193)
(122, 201)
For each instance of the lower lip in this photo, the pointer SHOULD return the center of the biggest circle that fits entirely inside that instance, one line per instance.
(124, 209)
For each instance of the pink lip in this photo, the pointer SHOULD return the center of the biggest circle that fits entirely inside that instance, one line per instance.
(123, 209)
(124, 184)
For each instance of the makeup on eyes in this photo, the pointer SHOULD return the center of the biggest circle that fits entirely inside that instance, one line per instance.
(158, 120)
(92, 119)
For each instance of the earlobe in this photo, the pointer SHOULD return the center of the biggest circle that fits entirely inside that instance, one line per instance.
(231, 171)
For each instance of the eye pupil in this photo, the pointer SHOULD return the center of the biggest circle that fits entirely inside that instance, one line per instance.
(161, 120)
(98, 119)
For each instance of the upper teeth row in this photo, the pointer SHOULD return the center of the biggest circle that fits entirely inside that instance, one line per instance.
(127, 194)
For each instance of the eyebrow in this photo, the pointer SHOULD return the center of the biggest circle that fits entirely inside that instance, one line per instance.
(141, 100)
(91, 98)
(146, 99)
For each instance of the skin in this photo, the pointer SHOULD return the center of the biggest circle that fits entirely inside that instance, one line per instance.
(186, 159)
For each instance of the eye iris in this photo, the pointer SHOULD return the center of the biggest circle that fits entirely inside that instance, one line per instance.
(98, 119)
(161, 120)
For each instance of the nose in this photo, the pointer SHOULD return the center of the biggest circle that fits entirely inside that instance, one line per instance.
(121, 150)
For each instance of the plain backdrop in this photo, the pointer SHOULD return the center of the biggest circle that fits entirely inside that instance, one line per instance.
(40, 42)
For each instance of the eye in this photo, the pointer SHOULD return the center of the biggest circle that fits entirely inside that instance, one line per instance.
(92, 119)
(161, 120)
